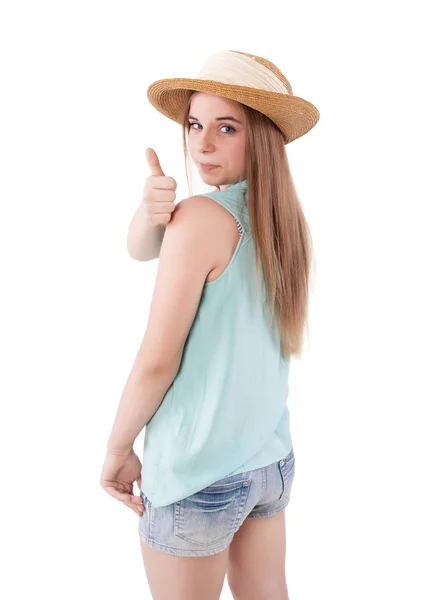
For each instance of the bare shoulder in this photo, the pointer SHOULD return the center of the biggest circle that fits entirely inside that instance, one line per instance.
(209, 228)
(202, 210)
(198, 202)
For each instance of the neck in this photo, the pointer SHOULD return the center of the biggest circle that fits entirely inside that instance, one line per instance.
(225, 186)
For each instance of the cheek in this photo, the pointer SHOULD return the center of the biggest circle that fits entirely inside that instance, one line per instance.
(193, 147)
(237, 153)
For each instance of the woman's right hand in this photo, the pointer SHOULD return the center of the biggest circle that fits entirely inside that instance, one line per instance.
(158, 198)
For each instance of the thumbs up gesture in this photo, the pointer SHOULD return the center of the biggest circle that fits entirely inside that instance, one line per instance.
(159, 193)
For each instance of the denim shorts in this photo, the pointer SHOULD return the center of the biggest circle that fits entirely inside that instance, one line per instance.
(205, 523)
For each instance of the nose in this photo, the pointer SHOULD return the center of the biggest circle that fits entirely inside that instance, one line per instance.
(205, 141)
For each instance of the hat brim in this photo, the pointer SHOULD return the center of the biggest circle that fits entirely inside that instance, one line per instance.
(294, 116)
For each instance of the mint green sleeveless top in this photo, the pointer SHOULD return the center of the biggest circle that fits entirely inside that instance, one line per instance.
(226, 410)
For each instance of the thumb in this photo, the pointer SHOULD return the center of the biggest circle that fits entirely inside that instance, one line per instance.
(153, 162)
(138, 481)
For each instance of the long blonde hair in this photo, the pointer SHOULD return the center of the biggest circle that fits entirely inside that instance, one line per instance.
(281, 236)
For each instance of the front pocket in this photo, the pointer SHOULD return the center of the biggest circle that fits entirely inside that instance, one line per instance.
(212, 514)
(144, 498)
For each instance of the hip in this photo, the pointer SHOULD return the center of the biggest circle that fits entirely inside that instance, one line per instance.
(205, 522)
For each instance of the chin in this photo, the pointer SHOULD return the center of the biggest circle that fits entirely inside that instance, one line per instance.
(209, 176)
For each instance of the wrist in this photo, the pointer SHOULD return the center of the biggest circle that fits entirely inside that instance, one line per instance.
(119, 449)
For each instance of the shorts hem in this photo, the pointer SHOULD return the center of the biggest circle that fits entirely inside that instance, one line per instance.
(267, 514)
(181, 551)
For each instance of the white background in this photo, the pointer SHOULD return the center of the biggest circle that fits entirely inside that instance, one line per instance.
(75, 123)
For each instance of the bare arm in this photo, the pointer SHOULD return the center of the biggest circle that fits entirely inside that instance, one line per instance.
(143, 239)
(147, 227)
(185, 261)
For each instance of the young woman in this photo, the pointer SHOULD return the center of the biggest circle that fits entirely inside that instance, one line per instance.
(229, 308)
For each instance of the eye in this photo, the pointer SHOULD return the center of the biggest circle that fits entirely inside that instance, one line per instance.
(191, 123)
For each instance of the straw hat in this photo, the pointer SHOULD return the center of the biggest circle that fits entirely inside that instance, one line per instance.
(248, 79)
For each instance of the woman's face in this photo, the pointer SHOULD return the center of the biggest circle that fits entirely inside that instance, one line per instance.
(215, 139)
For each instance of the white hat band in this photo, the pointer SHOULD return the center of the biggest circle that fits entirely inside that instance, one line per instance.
(238, 69)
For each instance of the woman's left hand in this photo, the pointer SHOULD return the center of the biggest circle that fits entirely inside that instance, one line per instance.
(118, 474)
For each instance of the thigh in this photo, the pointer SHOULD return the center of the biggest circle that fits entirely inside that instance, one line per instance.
(185, 545)
(184, 577)
(256, 567)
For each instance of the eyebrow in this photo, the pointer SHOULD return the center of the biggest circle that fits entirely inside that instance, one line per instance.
(220, 119)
